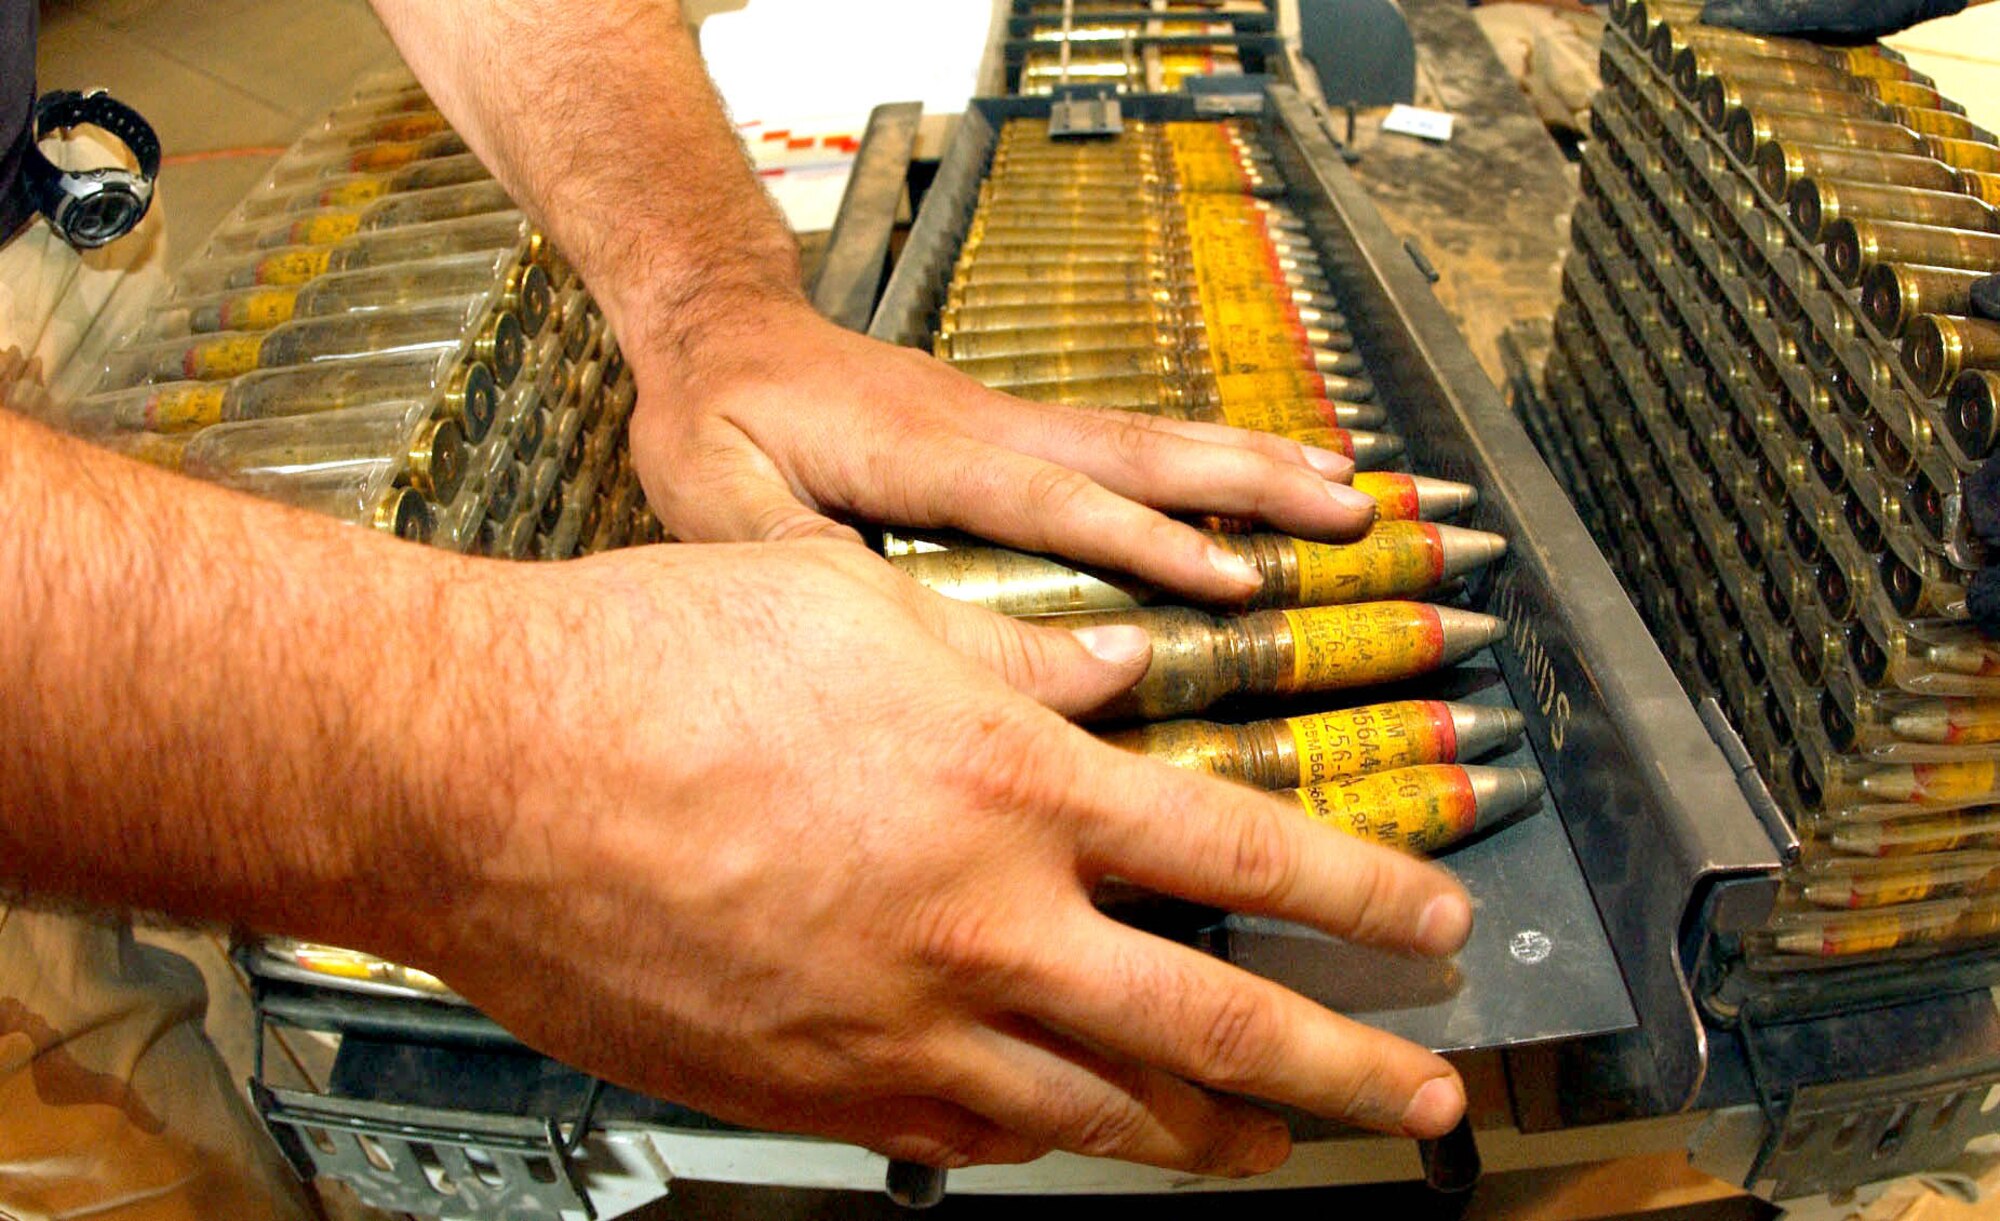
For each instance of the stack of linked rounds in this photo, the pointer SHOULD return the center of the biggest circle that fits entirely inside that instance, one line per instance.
(1765, 394)
(378, 334)
(1157, 271)
(1100, 42)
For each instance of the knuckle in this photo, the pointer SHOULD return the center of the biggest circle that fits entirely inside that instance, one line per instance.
(1136, 443)
(1359, 1096)
(1374, 894)
(1234, 1047)
(1264, 863)
(959, 937)
(1058, 490)
(1003, 763)
(1105, 1126)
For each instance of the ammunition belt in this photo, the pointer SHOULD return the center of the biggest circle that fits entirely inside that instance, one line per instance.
(1781, 498)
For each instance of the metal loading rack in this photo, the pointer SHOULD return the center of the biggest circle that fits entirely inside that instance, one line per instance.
(1583, 898)
(1633, 776)
(1714, 370)
(378, 334)
(1138, 47)
(1780, 489)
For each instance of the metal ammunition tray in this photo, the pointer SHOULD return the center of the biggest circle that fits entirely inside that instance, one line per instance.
(1733, 430)
(1252, 38)
(1576, 940)
(1584, 902)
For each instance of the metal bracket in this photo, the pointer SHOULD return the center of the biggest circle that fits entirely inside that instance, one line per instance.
(418, 1160)
(1748, 779)
(1085, 117)
(1834, 1135)
(857, 251)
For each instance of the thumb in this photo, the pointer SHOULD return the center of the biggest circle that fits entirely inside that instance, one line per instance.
(1072, 672)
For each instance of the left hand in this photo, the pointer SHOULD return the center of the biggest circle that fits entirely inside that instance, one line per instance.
(761, 427)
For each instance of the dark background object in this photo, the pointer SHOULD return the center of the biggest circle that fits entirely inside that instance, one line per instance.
(1844, 20)
(1361, 50)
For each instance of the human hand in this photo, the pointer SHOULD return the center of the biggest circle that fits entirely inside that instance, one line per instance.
(791, 840)
(760, 428)
(1842, 19)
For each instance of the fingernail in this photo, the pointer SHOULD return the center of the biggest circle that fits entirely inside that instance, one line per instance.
(1327, 462)
(1436, 1108)
(1118, 646)
(1444, 925)
(1349, 498)
(1233, 566)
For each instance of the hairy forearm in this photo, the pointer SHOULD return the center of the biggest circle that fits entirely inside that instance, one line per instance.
(209, 699)
(601, 120)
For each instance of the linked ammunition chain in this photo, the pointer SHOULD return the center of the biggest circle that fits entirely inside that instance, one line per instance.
(1778, 485)
(379, 334)
(1063, 43)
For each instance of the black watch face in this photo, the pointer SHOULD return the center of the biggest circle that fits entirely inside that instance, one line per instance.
(100, 217)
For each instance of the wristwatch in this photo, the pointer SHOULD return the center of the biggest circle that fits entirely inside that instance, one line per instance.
(90, 208)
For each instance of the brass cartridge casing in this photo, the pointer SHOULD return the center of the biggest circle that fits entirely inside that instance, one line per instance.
(1150, 394)
(1836, 883)
(402, 284)
(1816, 203)
(1948, 123)
(1938, 348)
(1179, 294)
(1965, 154)
(1303, 750)
(1892, 294)
(1423, 809)
(1317, 346)
(1199, 659)
(1718, 97)
(1950, 722)
(1747, 130)
(406, 245)
(1393, 560)
(1981, 186)
(1031, 259)
(1693, 64)
(337, 224)
(227, 354)
(987, 318)
(379, 129)
(1780, 163)
(1129, 278)
(1932, 784)
(1121, 214)
(467, 393)
(1972, 411)
(404, 513)
(1667, 42)
(1061, 369)
(434, 456)
(1853, 246)
(1909, 93)
(353, 190)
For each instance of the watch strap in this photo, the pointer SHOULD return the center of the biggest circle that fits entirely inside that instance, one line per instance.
(61, 108)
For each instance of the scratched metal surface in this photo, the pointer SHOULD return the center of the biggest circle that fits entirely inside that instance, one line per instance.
(1538, 967)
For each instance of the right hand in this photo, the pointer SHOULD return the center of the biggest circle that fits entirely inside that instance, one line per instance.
(773, 832)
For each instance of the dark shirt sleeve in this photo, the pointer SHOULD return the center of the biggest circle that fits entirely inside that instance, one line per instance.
(17, 95)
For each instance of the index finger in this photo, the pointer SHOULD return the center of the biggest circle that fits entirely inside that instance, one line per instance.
(1185, 834)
